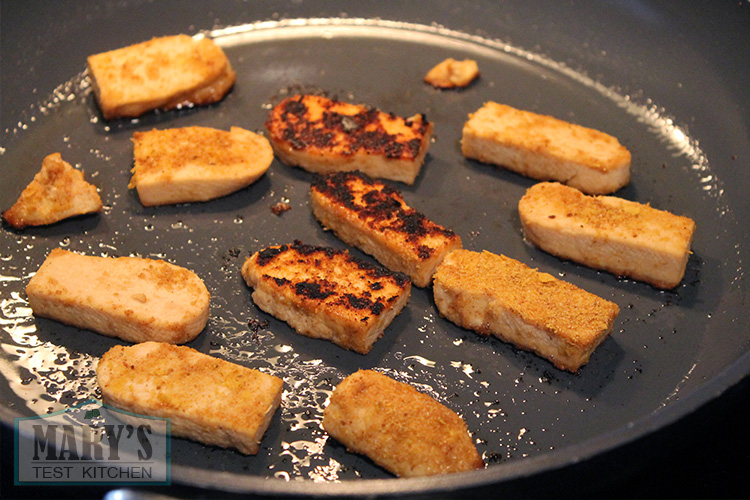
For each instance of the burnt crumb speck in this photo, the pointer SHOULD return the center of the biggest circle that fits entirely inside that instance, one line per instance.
(280, 207)
(494, 457)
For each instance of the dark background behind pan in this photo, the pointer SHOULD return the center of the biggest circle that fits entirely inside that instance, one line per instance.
(688, 57)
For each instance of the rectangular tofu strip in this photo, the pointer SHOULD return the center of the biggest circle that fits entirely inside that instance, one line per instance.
(494, 294)
(545, 148)
(130, 298)
(57, 192)
(189, 164)
(322, 136)
(206, 399)
(401, 429)
(326, 293)
(604, 232)
(162, 73)
(373, 217)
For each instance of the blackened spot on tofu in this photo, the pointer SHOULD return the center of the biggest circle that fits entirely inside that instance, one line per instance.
(280, 281)
(295, 107)
(268, 254)
(376, 286)
(312, 290)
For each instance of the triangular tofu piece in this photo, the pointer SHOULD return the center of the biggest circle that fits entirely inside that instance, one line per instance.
(57, 192)
(182, 165)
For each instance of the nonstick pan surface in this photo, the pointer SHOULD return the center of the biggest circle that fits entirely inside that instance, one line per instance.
(612, 66)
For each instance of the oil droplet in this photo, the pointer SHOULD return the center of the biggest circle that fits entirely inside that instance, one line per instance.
(148, 227)
(239, 219)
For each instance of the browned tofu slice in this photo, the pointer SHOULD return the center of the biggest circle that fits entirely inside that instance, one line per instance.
(496, 295)
(452, 74)
(189, 164)
(57, 192)
(405, 431)
(206, 399)
(545, 148)
(604, 232)
(324, 136)
(326, 293)
(130, 298)
(162, 73)
(373, 217)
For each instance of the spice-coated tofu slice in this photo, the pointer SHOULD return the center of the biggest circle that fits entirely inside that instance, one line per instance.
(326, 293)
(373, 217)
(496, 295)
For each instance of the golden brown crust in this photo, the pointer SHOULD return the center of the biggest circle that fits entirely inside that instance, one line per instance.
(623, 237)
(57, 192)
(322, 135)
(326, 293)
(546, 148)
(196, 163)
(206, 399)
(494, 294)
(452, 74)
(407, 432)
(162, 73)
(374, 217)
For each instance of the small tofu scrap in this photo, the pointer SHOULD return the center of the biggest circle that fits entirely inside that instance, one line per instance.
(604, 232)
(451, 73)
(57, 192)
(401, 429)
(190, 164)
(131, 298)
(322, 135)
(162, 73)
(373, 217)
(206, 399)
(494, 294)
(326, 293)
(545, 148)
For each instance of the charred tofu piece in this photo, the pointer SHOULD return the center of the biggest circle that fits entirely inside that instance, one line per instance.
(57, 192)
(401, 429)
(451, 74)
(162, 73)
(189, 164)
(545, 148)
(326, 293)
(323, 136)
(373, 217)
(496, 295)
(604, 232)
(206, 399)
(130, 298)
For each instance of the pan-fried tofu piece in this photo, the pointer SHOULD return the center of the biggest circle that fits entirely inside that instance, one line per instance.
(604, 232)
(372, 216)
(57, 192)
(130, 298)
(401, 429)
(206, 399)
(323, 136)
(326, 293)
(545, 148)
(497, 295)
(451, 73)
(162, 73)
(188, 164)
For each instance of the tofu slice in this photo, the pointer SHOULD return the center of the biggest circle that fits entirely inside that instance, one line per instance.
(451, 74)
(130, 298)
(206, 399)
(326, 293)
(162, 73)
(373, 217)
(545, 148)
(189, 164)
(496, 295)
(401, 429)
(604, 232)
(57, 192)
(323, 136)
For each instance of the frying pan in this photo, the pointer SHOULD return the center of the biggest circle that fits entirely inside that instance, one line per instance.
(669, 79)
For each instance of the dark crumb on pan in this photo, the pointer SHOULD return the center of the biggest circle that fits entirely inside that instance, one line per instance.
(280, 207)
